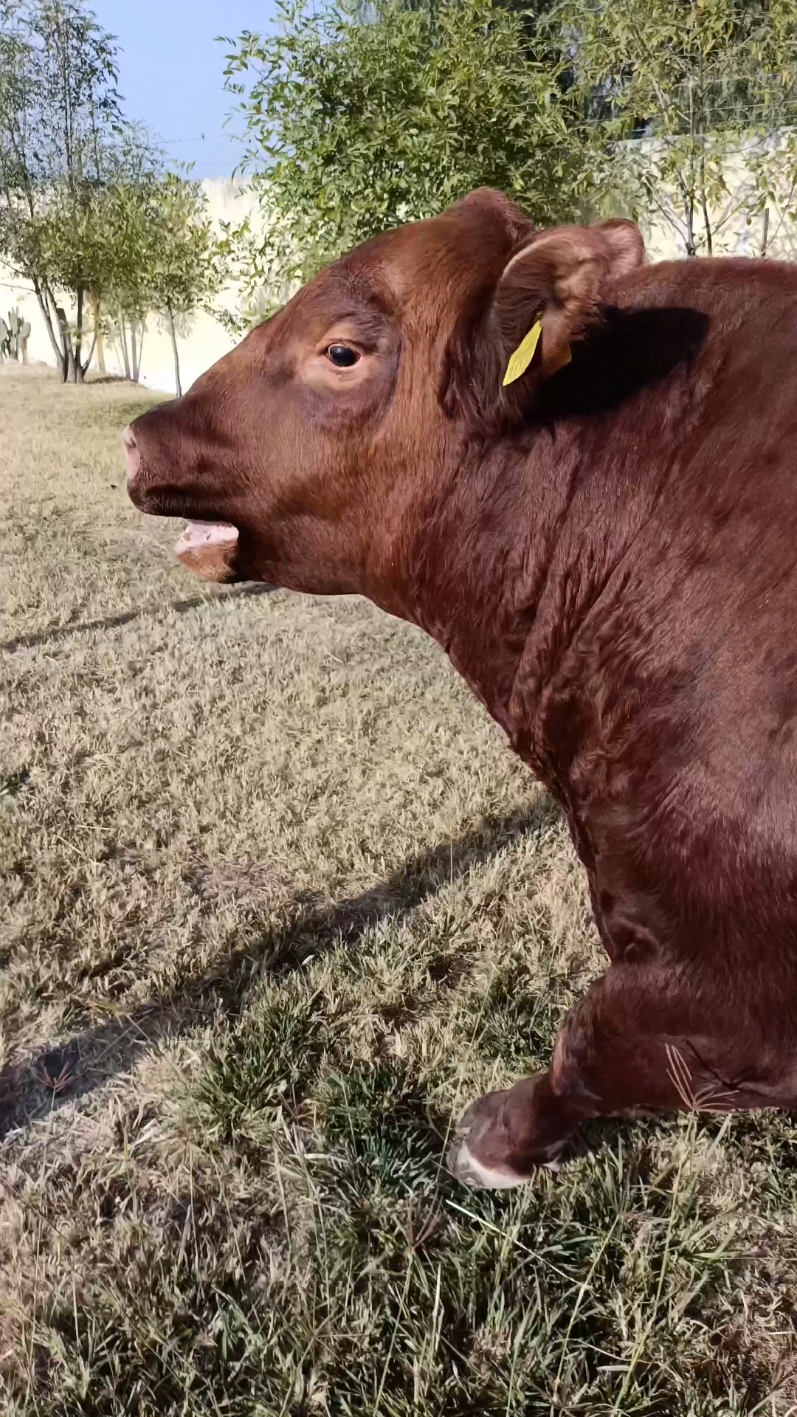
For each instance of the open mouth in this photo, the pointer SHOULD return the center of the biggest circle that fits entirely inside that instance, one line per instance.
(200, 536)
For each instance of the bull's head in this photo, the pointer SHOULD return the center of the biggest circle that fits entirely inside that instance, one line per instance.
(307, 457)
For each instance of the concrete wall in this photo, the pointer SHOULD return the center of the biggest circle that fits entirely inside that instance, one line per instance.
(204, 339)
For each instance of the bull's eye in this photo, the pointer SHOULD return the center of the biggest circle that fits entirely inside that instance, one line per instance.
(342, 356)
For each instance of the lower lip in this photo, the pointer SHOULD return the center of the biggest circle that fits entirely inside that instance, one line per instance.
(200, 535)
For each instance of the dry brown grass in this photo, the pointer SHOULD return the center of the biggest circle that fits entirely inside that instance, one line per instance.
(276, 902)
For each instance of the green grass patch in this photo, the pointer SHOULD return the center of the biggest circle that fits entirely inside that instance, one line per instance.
(277, 903)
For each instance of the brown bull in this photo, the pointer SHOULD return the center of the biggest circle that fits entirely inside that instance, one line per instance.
(606, 548)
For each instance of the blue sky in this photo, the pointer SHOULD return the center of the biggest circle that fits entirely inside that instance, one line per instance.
(170, 71)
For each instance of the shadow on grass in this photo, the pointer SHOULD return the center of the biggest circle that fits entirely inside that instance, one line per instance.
(54, 1075)
(115, 379)
(112, 622)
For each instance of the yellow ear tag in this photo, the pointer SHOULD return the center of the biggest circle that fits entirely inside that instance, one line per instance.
(523, 355)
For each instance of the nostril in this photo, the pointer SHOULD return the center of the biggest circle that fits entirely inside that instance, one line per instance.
(131, 451)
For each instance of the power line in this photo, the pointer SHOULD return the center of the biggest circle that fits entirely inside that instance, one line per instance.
(200, 138)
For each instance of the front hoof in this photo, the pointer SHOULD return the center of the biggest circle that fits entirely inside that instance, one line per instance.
(469, 1170)
(486, 1155)
(478, 1156)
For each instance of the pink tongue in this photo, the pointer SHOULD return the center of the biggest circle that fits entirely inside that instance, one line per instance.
(199, 534)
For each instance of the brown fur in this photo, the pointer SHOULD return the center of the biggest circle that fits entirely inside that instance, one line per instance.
(609, 557)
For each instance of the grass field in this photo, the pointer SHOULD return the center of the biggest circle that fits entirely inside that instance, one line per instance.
(277, 902)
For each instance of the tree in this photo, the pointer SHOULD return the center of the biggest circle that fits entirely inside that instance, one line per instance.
(126, 257)
(695, 99)
(187, 265)
(355, 126)
(160, 255)
(64, 147)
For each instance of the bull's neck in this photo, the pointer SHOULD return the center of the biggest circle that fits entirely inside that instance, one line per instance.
(495, 541)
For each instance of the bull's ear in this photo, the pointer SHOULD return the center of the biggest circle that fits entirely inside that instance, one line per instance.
(548, 296)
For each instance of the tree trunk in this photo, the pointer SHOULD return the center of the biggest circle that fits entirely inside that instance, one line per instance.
(707, 226)
(123, 343)
(78, 362)
(99, 338)
(765, 232)
(704, 202)
(68, 357)
(689, 194)
(691, 248)
(178, 388)
(137, 348)
(47, 316)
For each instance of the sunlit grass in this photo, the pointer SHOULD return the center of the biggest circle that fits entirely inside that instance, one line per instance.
(277, 902)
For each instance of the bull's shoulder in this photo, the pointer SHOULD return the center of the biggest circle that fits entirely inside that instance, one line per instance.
(691, 341)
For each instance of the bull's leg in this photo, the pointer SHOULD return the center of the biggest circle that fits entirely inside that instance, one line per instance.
(641, 1040)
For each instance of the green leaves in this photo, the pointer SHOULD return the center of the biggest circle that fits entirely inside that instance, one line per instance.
(358, 120)
(161, 249)
(355, 127)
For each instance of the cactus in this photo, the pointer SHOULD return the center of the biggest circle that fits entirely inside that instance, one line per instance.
(14, 336)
